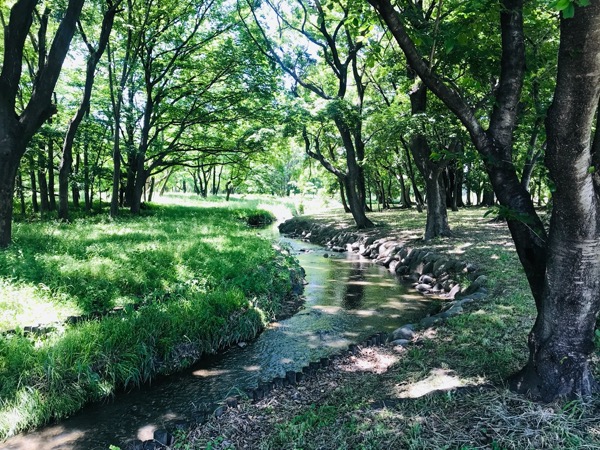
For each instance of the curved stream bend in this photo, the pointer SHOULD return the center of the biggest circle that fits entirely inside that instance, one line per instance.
(347, 299)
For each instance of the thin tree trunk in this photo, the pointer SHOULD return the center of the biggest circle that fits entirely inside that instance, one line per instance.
(75, 186)
(34, 200)
(86, 178)
(151, 190)
(50, 165)
(164, 186)
(343, 197)
(43, 183)
(21, 193)
(8, 172)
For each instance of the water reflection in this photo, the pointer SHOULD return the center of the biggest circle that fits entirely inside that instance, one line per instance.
(347, 299)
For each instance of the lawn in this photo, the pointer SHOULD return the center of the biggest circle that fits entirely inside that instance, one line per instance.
(151, 294)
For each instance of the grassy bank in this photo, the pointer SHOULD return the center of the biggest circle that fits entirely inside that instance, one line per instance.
(444, 391)
(187, 280)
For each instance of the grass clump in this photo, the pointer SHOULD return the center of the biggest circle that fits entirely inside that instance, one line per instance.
(191, 280)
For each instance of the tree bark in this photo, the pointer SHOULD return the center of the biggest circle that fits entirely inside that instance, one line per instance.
(21, 192)
(343, 197)
(437, 214)
(34, 190)
(494, 144)
(50, 166)
(16, 130)
(67, 149)
(562, 339)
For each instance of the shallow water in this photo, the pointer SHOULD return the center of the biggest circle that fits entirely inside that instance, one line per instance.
(347, 300)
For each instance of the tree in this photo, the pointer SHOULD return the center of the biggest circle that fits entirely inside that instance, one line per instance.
(337, 32)
(67, 150)
(18, 125)
(563, 269)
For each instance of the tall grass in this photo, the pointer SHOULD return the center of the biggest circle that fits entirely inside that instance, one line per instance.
(199, 278)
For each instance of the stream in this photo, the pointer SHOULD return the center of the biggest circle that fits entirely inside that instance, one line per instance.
(348, 298)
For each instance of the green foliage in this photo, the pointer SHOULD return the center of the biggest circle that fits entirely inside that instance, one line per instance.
(567, 7)
(201, 280)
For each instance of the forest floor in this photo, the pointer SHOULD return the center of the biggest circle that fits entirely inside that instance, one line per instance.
(444, 391)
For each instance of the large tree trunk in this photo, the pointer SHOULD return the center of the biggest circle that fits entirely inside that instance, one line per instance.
(437, 214)
(562, 339)
(138, 187)
(16, 130)
(8, 173)
(356, 203)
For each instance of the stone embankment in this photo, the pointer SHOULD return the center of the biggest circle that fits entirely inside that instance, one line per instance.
(454, 281)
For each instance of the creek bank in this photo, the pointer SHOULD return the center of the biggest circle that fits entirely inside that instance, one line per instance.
(157, 339)
(432, 273)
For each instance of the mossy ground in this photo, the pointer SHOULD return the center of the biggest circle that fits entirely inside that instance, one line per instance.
(445, 392)
(190, 278)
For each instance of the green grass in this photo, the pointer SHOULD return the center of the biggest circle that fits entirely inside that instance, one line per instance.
(199, 277)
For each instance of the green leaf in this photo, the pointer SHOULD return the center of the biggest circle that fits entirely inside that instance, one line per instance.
(561, 5)
(584, 2)
(569, 11)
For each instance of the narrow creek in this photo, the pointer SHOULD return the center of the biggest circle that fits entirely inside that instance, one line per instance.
(348, 298)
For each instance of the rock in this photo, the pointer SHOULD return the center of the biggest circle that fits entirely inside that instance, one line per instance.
(163, 437)
(429, 321)
(480, 281)
(451, 312)
(400, 342)
(338, 249)
(469, 268)
(401, 270)
(231, 402)
(370, 240)
(428, 267)
(150, 445)
(134, 445)
(455, 290)
(426, 279)
(325, 255)
(437, 288)
(393, 265)
(290, 375)
(181, 425)
(475, 296)
(413, 277)
(355, 246)
(422, 287)
(404, 332)
(439, 265)
(220, 411)
(242, 344)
